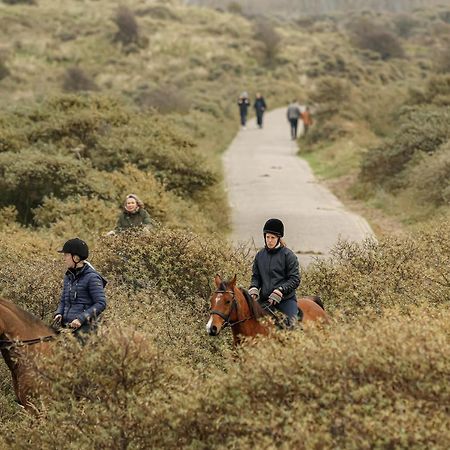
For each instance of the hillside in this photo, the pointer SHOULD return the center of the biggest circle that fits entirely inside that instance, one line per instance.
(98, 100)
(298, 8)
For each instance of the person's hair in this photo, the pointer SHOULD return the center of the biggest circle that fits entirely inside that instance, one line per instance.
(283, 242)
(139, 202)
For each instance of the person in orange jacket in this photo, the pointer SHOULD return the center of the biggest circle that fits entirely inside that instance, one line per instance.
(307, 120)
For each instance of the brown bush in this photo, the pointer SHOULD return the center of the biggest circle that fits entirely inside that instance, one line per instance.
(128, 29)
(400, 272)
(368, 35)
(165, 100)
(270, 41)
(75, 80)
(370, 381)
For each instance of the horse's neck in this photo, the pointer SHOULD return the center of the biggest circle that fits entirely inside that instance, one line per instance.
(14, 326)
(250, 325)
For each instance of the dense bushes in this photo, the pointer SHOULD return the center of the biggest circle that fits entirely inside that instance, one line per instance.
(26, 177)
(397, 272)
(175, 262)
(169, 378)
(422, 130)
(305, 390)
(109, 135)
(370, 36)
(430, 178)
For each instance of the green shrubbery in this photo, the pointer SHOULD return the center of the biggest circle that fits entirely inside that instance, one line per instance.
(76, 138)
(422, 131)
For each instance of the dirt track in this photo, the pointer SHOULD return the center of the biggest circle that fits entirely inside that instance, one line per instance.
(265, 178)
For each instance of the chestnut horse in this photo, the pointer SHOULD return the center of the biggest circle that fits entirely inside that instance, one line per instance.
(22, 336)
(231, 306)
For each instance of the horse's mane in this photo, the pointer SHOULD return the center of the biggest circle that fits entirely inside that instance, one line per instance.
(255, 307)
(25, 315)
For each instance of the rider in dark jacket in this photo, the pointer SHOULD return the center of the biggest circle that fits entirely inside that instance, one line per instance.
(276, 273)
(83, 296)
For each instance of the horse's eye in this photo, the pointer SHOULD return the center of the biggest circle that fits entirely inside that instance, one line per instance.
(227, 302)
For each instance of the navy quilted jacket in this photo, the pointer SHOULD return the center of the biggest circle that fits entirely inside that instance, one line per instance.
(83, 295)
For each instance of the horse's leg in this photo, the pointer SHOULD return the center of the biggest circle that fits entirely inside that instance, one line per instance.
(13, 366)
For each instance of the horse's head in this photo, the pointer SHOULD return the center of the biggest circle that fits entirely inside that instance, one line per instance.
(223, 305)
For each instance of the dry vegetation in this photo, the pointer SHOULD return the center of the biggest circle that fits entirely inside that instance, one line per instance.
(100, 101)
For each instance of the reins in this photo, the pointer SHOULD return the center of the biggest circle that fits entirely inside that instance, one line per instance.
(7, 344)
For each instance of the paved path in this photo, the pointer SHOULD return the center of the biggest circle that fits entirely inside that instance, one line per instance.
(265, 179)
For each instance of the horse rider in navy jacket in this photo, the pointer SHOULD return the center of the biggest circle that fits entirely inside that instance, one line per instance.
(83, 296)
(276, 273)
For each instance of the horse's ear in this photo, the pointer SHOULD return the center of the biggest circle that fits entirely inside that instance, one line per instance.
(217, 281)
(233, 281)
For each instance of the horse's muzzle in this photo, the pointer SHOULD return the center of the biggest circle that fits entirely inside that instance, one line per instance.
(211, 328)
(213, 331)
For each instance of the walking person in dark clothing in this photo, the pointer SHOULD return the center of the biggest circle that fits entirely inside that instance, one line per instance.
(260, 106)
(293, 114)
(276, 273)
(83, 296)
(243, 103)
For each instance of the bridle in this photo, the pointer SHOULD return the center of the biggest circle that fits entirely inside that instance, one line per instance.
(234, 305)
(7, 344)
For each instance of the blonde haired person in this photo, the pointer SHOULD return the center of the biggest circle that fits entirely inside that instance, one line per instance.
(133, 214)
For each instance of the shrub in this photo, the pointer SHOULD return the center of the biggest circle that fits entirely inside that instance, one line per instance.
(372, 276)
(165, 100)
(110, 135)
(330, 94)
(75, 79)
(368, 35)
(128, 29)
(270, 41)
(405, 24)
(4, 71)
(30, 273)
(442, 59)
(422, 130)
(430, 178)
(29, 176)
(177, 262)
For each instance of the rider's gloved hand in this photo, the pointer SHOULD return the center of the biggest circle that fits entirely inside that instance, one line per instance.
(275, 297)
(57, 320)
(254, 292)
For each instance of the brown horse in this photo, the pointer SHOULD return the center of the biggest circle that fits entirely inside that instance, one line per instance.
(22, 336)
(231, 306)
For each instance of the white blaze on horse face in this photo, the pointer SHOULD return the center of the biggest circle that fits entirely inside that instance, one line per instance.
(209, 324)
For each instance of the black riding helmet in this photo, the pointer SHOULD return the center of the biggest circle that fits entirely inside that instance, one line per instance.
(274, 226)
(76, 247)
